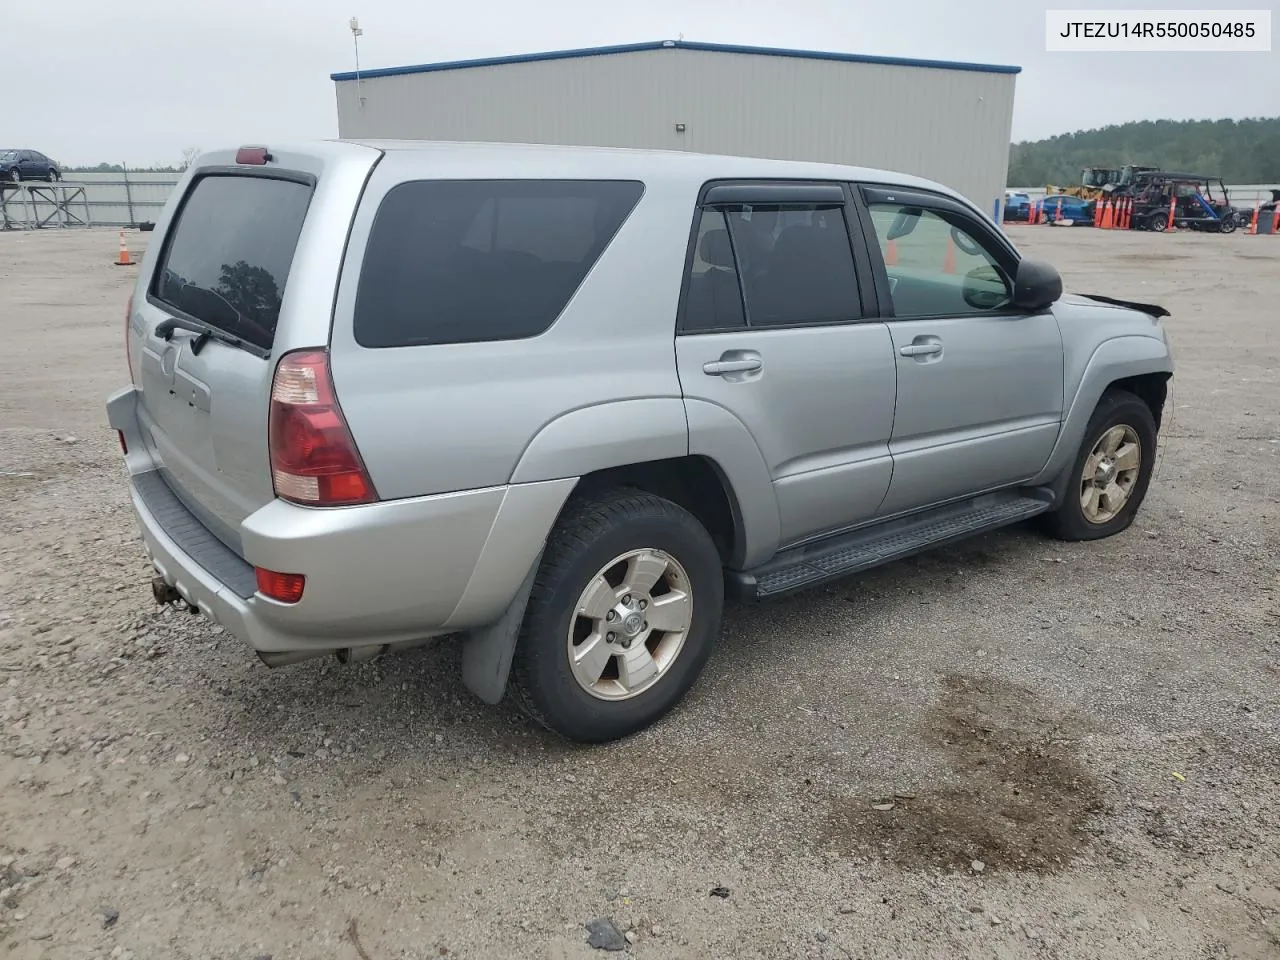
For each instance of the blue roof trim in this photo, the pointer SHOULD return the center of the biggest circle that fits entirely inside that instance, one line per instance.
(676, 44)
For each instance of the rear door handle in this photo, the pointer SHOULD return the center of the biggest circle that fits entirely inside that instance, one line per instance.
(718, 368)
(921, 350)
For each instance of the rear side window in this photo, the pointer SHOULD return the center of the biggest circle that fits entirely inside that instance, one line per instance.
(791, 262)
(462, 261)
(227, 257)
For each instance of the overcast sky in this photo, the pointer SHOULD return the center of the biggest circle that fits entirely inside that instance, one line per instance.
(139, 80)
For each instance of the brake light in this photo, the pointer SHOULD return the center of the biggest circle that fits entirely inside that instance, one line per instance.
(254, 156)
(128, 347)
(314, 460)
(284, 587)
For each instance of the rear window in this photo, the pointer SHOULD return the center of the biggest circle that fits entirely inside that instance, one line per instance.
(227, 257)
(461, 261)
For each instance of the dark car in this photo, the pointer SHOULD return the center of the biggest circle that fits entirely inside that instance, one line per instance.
(18, 165)
(1069, 209)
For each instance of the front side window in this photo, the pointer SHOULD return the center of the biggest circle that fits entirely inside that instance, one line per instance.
(469, 261)
(936, 266)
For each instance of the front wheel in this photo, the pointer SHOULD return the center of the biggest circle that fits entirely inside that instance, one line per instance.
(624, 612)
(15, 175)
(1158, 222)
(1111, 472)
(1228, 224)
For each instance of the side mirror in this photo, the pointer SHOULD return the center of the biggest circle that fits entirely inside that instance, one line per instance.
(1036, 285)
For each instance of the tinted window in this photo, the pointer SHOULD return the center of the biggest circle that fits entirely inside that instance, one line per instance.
(228, 256)
(713, 299)
(459, 261)
(796, 264)
(937, 266)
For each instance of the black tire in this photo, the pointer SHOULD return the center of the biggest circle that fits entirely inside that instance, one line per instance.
(588, 535)
(1158, 222)
(1116, 408)
(15, 175)
(54, 175)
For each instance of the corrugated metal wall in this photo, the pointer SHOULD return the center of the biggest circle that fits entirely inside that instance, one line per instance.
(108, 200)
(952, 126)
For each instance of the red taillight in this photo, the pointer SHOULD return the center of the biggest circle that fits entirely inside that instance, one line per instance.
(128, 347)
(314, 460)
(284, 587)
(256, 156)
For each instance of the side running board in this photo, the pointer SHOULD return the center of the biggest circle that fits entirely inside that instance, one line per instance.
(867, 547)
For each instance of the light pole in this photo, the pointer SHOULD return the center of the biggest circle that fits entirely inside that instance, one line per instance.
(356, 34)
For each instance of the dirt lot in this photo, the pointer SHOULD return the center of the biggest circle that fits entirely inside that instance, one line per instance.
(1081, 742)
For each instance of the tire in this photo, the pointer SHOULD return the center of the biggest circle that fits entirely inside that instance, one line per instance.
(54, 176)
(1119, 413)
(1228, 224)
(589, 537)
(1157, 222)
(15, 176)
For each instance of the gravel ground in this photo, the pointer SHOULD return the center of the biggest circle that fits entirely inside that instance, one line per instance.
(1080, 743)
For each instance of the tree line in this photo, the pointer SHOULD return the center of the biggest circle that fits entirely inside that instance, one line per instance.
(1238, 151)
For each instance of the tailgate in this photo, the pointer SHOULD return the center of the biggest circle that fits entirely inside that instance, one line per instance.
(245, 270)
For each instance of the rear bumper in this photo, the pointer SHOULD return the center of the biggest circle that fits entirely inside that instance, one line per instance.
(379, 574)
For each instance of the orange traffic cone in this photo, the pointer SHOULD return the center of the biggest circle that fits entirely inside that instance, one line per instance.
(123, 260)
(1108, 216)
(891, 253)
(1253, 226)
(1275, 220)
(1173, 210)
(949, 260)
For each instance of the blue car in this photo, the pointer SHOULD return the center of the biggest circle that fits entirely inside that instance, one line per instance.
(1071, 209)
(1017, 207)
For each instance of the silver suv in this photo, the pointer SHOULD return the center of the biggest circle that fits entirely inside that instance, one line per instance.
(556, 401)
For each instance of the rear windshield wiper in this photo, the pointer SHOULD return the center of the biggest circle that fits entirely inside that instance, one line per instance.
(204, 333)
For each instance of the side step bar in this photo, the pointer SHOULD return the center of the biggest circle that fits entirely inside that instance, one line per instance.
(834, 557)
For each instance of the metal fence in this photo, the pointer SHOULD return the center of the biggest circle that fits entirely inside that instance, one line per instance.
(118, 199)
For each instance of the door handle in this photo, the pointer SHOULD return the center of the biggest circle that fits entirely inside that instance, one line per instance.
(718, 368)
(921, 350)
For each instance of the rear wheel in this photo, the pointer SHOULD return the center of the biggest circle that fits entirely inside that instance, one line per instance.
(15, 175)
(1111, 471)
(1157, 222)
(623, 615)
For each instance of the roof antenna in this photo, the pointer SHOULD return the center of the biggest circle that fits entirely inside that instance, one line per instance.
(356, 34)
(679, 38)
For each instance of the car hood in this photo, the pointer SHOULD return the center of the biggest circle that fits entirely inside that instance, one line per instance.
(1085, 299)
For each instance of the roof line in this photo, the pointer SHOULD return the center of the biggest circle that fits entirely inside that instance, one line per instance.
(678, 44)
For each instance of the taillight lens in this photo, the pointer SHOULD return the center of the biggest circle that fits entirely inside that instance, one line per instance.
(284, 587)
(128, 347)
(314, 460)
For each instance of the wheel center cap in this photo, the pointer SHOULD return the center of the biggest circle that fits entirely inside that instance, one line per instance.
(1106, 472)
(632, 624)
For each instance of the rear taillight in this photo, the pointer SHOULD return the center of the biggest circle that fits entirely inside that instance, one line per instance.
(284, 587)
(314, 460)
(128, 347)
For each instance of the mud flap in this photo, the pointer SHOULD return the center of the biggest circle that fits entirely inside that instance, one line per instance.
(487, 652)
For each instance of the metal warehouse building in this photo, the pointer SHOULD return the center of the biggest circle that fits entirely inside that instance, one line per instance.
(950, 122)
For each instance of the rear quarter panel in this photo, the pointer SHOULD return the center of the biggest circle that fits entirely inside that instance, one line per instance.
(433, 419)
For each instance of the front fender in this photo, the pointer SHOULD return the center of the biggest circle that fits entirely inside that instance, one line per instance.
(1112, 360)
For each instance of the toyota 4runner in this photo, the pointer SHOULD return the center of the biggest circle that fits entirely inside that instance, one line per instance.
(557, 400)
